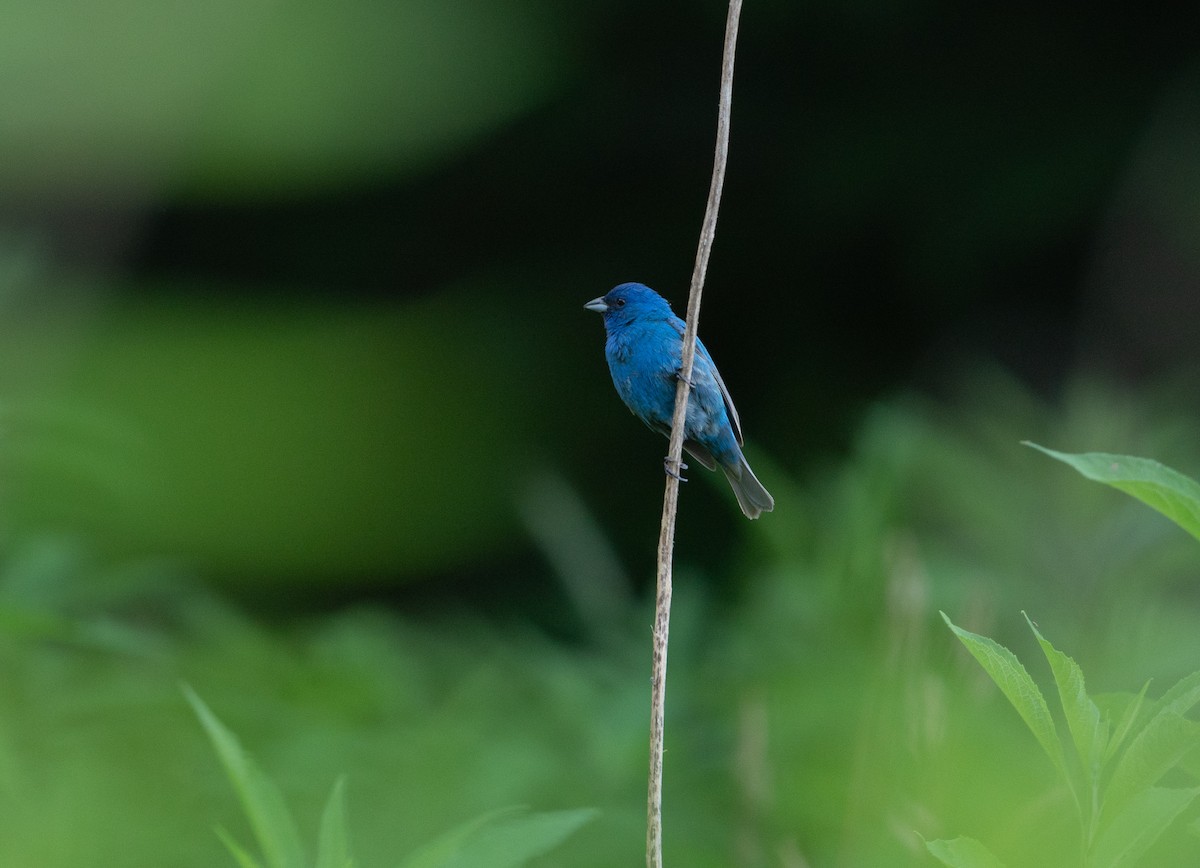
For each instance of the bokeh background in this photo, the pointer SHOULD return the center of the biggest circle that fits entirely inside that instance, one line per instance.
(299, 405)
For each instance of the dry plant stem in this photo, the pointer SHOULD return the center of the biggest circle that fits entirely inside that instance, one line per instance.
(666, 540)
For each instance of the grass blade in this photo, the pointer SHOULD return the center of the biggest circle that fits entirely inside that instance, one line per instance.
(1174, 495)
(1016, 684)
(261, 800)
(333, 843)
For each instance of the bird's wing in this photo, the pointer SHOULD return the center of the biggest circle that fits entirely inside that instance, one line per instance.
(700, 454)
(730, 410)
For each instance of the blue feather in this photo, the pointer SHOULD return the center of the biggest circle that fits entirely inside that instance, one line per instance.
(644, 348)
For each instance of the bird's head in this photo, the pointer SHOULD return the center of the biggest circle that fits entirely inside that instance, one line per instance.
(628, 302)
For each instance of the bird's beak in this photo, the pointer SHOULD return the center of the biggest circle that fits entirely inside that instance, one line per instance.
(597, 304)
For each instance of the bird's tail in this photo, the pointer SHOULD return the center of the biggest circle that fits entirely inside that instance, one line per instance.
(751, 496)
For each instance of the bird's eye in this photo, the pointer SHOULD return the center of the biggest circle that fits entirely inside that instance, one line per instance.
(620, 302)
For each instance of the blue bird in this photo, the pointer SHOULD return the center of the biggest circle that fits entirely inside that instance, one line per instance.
(644, 348)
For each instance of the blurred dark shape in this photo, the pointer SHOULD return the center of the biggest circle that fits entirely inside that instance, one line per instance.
(1145, 281)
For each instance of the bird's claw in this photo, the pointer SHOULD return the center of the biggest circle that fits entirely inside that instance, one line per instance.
(674, 474)
(679, 375)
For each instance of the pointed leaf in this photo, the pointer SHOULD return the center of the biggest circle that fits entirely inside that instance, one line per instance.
(513, 841)
(1136, 710)
(1174, 495)
(440, 851)
(1153, 752)
(1183, 696)
(261, 800)
(1148, 814)
(244, 859)
(1015, 682)
(1126, 724)
(963, 853)
(502, 839)
(333, 843)
(1088, 731)
(1149, 722)
(1190, 765)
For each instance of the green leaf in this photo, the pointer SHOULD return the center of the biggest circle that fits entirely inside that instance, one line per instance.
(1174, 495)
(440, 851)
(261, 800)
(1015, 682)
(516, 840)
(1088, 731)
(333, 844)
(1183, 696)
(1150, 813)
(963, 853)
(1126, 724)
(1155, 750)
(1190, 764)
(240, 854)
(502, 839)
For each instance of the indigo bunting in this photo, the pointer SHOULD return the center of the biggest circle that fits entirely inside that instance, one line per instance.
(644, 348)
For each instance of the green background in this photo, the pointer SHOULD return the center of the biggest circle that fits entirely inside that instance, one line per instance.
(299, 405)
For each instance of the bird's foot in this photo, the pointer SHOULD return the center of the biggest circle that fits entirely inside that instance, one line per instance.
(679, 376)
(674, 474)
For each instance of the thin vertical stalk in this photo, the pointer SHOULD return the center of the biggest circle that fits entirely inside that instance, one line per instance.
(666, 540)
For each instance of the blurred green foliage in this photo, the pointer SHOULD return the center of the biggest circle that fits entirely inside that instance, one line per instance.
(282, 444)
(504, 839)
(289, 298)
(821, 713)
(249, 99)
(1111, 762)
